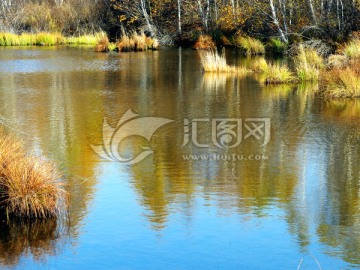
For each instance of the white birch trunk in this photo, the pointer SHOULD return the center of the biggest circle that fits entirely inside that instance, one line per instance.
(147, 18)
(276, 22)
(179, 17)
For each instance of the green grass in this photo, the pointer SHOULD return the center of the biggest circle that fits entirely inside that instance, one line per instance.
(112, 46)
(85, 39)
(352, 49)
(277, 46)
(307, 73)
(25, 39)
(47, 39)
(277, 74)
(251, 46)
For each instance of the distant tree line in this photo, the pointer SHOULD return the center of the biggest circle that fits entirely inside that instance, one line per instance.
(184, 20)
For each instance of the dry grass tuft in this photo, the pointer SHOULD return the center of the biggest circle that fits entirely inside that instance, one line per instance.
(11, 150)
(137, 42)
(225, 41)
(212, 61)
(102, 45)
(30, 187)
(205, 42)
(126, 44)
(342, 83)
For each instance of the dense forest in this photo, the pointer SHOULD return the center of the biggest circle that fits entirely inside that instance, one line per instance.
(182, 21)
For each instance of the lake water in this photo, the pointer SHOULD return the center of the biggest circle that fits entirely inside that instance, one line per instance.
(191, 206)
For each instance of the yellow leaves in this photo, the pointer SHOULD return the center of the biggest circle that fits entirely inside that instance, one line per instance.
(230, 18)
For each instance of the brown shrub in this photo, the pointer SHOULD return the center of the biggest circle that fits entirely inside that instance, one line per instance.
(204, 42)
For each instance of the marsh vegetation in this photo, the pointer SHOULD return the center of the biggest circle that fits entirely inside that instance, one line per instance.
(30, 186)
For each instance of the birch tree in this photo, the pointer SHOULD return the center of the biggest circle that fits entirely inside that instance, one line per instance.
(179, 16)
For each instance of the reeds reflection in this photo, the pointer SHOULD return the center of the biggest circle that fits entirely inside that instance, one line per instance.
(36, 238)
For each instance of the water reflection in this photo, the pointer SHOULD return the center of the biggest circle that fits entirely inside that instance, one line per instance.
(36, 239)
(311, 174)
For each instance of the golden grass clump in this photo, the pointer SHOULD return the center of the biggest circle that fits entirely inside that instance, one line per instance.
(307, 73)
(259, 64)
(126, 44)
(277, 74)
(204, 42)
(308, 64)
(251, 46)
(30, 186)
(102, 45)
(137, 42)
(342, 83)
(352, 49)
(212, 61)
(152, 43)
(140, 41)
(11, 150)
(308, 56)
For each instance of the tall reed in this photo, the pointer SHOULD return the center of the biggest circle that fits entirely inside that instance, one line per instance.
(212, 61)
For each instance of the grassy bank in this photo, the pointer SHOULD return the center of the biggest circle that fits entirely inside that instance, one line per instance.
(30, 186)
(47, 39)
(100, 41)
(342, 78)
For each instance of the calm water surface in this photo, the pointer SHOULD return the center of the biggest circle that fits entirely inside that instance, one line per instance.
(167, 212)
